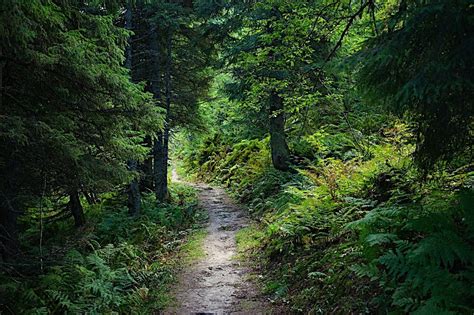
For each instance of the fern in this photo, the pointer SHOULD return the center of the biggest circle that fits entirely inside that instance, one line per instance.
(426, 257)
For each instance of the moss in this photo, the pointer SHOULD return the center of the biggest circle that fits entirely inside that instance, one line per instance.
(248, 239)
(193, 249)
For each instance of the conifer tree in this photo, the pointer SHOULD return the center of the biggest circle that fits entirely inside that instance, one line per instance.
(421, 64)
(69, 115)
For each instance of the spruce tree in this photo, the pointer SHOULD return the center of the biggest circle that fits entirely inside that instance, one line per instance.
(69, 115)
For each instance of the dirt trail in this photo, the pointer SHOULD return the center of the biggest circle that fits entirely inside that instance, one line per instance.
(218, 284)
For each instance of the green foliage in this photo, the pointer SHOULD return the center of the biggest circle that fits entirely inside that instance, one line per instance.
(355, 204)
(119, 264)
(423, 252)
(352, 219)
(303, 236)
(191, 54)
(420, 64)
(404, 241)
(70, 116)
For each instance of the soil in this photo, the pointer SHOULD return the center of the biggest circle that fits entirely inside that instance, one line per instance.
(218, 283)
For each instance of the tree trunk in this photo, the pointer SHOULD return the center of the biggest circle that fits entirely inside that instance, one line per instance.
(146, 181)
(160, 146)
(10, 246)
(143, 73)
(134, 198)
(2, 65)
(76, 208)
(166, 133)
(160, 170)
(279, 147)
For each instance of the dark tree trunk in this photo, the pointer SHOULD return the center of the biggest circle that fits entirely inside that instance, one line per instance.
(146, 182)
(143, 73)
(278, 145)
(90, 197)
(166, 132)
(2, 65)
(10, 246)
(160, 169)
(134, 198)
(160, 145)
(76, 208)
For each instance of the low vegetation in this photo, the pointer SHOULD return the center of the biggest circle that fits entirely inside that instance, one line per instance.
(345, 127)
(116, 263)
(351, 228)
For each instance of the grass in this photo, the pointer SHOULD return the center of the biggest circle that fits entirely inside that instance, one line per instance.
(247, 239)
(193, 249)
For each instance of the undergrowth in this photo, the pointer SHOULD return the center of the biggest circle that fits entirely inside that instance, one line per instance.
(353, 229)
(116, 264)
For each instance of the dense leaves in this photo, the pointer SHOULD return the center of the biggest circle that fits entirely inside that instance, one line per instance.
(375, 213)
(118, 264)
(345, 127)
(422, 64)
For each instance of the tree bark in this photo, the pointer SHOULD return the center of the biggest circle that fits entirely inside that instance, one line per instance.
(134, 198)
(160, 146)
(166, 133)
(146, 181)
(2, 65)
(10, 246)
(76, 208)
(279, 148)
(160, 171)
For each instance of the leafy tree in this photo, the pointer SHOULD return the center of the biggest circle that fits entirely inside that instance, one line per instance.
(276, 58)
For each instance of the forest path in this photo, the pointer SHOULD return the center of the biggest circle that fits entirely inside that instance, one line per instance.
(218, 283)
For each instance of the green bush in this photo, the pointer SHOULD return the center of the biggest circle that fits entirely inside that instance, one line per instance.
(354, 223)
(423, 253)
(120, 264)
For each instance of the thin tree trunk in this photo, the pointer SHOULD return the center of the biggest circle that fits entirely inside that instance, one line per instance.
(166, 133)
(2, 65)
(160, 174)
(279, 147)
(134, 198)
(146, 182)
(76, 208)
(9, 244)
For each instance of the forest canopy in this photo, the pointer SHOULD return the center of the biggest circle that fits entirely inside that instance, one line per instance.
(344, 127)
